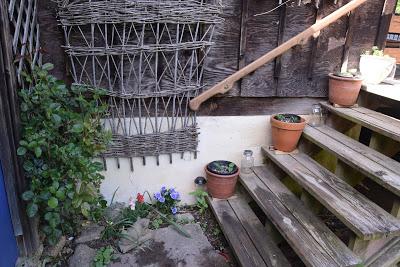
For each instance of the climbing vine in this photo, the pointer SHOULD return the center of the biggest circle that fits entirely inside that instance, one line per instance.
(61, 134)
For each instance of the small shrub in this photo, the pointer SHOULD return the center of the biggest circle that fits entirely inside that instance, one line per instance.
(103, 257)
(201, 202)
(61, 134)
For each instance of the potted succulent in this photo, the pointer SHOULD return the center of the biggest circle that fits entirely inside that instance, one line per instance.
(286, 131)
(375, 66)
(221, 178)
(344, 88)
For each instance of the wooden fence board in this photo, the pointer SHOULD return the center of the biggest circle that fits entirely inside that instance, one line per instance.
(261, 37)
(222, 59)
(293, 80)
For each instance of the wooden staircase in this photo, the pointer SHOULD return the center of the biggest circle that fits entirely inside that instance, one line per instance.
(293, 213)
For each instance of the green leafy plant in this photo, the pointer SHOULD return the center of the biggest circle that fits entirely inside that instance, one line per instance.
(61, 134)
(289, 118)
(223, 167)
(375, 51)
(103, 257)
(156, 223)
(201, 202)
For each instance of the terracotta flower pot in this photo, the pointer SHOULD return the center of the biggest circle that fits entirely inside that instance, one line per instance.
(344, 91)
(285, 136)
(221, 186)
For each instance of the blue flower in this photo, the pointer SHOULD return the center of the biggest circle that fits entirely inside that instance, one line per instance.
(174, 210)
(174, 195)
(163, 189)
(157, 195)
(161, 199)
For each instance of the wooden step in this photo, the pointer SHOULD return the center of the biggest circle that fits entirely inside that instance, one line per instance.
(246, 235)
(370, 119)
(387, 257)
(378, 167)
(310, 238)
(366, 219)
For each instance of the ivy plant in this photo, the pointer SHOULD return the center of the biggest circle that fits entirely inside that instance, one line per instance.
(61, 134)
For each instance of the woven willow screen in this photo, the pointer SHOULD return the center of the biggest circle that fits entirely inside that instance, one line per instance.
(148, 55)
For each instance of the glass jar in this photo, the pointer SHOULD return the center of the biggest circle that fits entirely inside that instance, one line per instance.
(247, 161)
(316, 116)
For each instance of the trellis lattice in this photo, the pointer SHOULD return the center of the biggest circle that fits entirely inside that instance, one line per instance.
(25, 39)
(148, 55)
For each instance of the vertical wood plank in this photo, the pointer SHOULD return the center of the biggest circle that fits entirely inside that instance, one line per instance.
(365, 29)
(314, 42)
(243, 32)
(52, 38)
(293, 80)
(261, 37)
(9, 135)
(281, 28)
(349, 38)
(222, 60)
(384, 22)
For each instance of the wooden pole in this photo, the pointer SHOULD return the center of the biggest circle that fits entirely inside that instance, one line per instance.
(225, 85)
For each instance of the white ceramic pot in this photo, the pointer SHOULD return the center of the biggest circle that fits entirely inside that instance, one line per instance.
(375, 69)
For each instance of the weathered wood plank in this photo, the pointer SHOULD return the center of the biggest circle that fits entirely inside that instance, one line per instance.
(296, 223)
(222, 60)
(365, 31)
(361, 215)
(244, 106)
(375, 121)
(271, 254)
(384, 176)
(368, 152)
(261, 37)
(385, 22)
(388, 256)
(52, 38)
(329, 46)
(236, 235)
(293, 80)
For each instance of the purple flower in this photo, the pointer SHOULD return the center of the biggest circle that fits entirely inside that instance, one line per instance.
(161, 199)
(157, 195)
(174, 210)
(174, 195)
(163, 189)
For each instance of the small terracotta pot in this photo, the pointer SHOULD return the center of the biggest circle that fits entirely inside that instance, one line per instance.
(344, 91)
(285, 136)
(221, 186)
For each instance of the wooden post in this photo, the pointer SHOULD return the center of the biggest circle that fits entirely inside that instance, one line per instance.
(225, 85)
(384, 23)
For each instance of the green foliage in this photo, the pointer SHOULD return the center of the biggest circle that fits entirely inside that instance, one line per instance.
(397, 8)
(61, 133)
(103, 257)
(374, 52)
(289, 118)
(156, 223)
(201, 202)
(126, 219)
(224, 168)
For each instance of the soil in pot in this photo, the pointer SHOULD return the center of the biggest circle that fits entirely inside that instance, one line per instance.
(221, 178)
(344, 91)
(286, 131)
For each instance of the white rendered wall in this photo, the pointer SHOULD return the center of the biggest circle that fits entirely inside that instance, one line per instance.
(220, 138)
